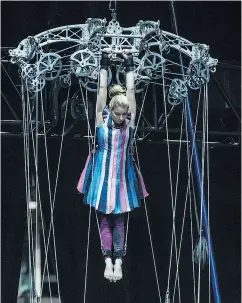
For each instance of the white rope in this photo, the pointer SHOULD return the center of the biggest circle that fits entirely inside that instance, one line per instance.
(53, 202)
(87, 254)
(38, 189)
(206, 170)
(173, 229)
(151, 82)
(171, 192)
(208, 196)
(26, 147)
(201, 204)
(15, 87)
(51, 207)
(174, 214)
(175, 63)
(195, 203)
(150, 237)
(192, 244)
(29, 121)
(93, 143)
(190, 175)
(89, 130)
(126, 235)
(134, 141)
(27, 186)
(60, 154)
(90, 210)
(188, 191)
(64, 49)
(173, 10)
(147, 218)
(140, 113)
(205, 151)
(31, 240)
(36, 192)
(50, 200)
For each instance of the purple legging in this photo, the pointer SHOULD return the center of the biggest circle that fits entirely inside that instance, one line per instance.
(112, 235)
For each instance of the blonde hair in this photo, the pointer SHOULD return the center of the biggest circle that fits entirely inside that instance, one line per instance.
(116, 89)
(119, 100)
(117, 95)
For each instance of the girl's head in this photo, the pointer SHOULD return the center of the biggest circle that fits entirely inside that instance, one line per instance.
(118, 105)
(116, 89)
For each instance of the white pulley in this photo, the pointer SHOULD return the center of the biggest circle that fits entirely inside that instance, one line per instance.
(83, 63)
(152, 64)
(49, 66)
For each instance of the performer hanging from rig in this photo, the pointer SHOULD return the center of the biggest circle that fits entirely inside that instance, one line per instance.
(110, 180)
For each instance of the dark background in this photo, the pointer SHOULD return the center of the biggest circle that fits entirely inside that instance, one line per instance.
(214, 23)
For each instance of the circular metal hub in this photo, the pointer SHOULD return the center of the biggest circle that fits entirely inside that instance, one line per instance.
(83, 63)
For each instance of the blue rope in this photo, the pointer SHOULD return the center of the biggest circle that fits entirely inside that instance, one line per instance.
(204, 206)
(199, 181)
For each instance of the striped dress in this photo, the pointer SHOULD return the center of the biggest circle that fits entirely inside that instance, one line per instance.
(110, 180)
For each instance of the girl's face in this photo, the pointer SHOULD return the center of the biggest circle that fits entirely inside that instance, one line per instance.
(119, 114)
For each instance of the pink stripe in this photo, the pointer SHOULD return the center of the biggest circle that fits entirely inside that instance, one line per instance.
(114, 171)
(122, 195)
(83, 175)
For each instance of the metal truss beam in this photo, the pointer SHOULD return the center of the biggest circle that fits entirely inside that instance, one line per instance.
(177, 131)
(212, 144)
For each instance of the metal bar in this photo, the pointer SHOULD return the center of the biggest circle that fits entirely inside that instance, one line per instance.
(212, 144)
(200, 186)
(122, 36)
(226, 98)
(140, 141)
(10, 135)
(147, 130)
(6, 47)
(177, 131)
(19, 123)
(11, 122)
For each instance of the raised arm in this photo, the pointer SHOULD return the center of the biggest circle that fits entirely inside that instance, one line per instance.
(130, 92)
(102, 92)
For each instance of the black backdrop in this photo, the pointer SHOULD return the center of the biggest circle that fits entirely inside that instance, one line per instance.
(71, 225)
(214, 23)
